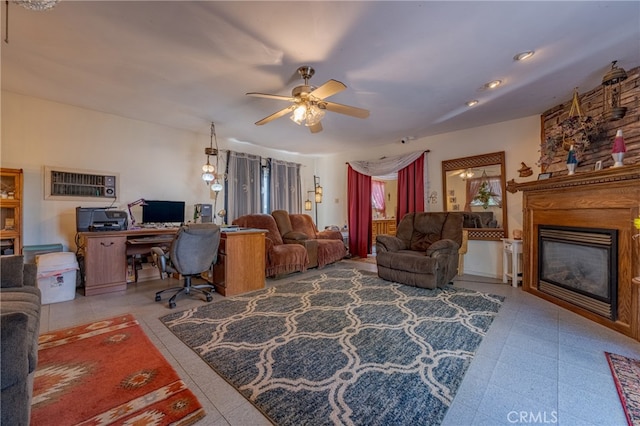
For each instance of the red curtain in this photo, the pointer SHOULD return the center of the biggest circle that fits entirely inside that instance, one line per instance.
(359, 190)
(411, 189)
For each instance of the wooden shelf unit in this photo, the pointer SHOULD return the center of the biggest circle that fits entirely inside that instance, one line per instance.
(11, 184)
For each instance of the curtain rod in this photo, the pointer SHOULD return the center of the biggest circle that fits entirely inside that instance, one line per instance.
(382, 158)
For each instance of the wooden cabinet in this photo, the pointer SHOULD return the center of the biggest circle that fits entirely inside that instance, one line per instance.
(382, 227)
(105, 262)
(105, 255)
(11, 211)
(240, 266)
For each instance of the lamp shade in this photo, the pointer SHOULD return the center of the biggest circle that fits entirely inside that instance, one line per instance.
(208, 171)
(618, 143)
(216, 186)
(307, 205)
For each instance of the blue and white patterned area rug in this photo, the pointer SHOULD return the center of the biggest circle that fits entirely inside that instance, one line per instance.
(342, 347)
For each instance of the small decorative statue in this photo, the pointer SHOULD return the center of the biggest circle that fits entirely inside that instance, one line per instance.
(619, 149)
(525, 170)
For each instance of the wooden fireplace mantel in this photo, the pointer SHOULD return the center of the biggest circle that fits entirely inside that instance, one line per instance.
(606, 176)
(607, 198)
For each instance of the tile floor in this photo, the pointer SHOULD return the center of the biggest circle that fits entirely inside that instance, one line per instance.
(538, 364)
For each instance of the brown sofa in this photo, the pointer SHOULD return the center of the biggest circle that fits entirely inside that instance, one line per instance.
(326, 246)
(479, 220)
(281, 259)
(424, 252)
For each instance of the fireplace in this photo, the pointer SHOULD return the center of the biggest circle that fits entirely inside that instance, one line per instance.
(579, 265)
(583, 225)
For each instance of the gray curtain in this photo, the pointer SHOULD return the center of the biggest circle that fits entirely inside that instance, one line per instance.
(285, 188)
(243, 180)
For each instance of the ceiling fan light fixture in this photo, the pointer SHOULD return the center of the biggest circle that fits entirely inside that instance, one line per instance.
(309, 104)
(307, 113)
(467, 174)
(314, 115)
(299, 114)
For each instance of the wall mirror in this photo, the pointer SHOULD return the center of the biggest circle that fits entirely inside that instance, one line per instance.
(476, 186)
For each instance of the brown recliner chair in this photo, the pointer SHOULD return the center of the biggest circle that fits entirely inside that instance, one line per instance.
(424, 252)
(299, 228)
(281, 259)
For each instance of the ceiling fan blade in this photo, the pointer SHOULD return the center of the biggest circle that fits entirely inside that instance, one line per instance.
(273, 116)
(316, 128)
(330, 88)
(268, 96)
(345, 109)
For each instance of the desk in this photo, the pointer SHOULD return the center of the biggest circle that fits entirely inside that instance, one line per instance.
(240, 267)
(511, 256)
(105, 255)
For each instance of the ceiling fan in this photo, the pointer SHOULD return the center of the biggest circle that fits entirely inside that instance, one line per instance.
(308, 104)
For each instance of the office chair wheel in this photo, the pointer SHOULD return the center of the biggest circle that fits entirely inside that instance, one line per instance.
(172, 305)
(158, 298)
(209, 297)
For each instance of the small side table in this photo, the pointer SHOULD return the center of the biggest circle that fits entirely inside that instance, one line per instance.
(511, 256)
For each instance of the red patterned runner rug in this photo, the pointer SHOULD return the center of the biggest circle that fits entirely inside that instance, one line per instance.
(108, 373)
(626, 374)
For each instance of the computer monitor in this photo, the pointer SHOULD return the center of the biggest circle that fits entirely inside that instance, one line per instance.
(156, 211)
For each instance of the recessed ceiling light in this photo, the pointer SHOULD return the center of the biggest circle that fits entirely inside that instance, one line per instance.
(523, 55)
(472, 103)
(493, 84)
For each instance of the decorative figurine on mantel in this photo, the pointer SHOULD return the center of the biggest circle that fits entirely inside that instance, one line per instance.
(572, 161)
(619, 149)
(525, 170)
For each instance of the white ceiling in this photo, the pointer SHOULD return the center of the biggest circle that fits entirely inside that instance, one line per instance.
(412, 64)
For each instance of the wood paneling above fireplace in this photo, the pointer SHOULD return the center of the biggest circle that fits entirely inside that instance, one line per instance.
(607, 198)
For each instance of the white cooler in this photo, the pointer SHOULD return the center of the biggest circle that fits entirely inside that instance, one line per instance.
(57, 276)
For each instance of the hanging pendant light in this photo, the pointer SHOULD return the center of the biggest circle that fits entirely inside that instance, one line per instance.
(612, 93)
(216, 186)
(209, 170)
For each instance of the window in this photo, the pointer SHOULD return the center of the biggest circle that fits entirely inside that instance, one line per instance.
(284, 186)
(377, 197)
(486, 192)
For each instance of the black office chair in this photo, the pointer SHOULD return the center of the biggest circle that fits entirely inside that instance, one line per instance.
(193, 251)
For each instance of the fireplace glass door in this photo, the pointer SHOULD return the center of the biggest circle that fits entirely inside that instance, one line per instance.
(578, 266)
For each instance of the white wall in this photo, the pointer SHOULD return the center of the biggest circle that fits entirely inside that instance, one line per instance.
(154, 161)
(519, 139)
(158, 162)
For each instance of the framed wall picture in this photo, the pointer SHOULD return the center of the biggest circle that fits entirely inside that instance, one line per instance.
(543, 176)
(598, 165)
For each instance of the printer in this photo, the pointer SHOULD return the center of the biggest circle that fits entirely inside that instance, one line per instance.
(100, 219)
